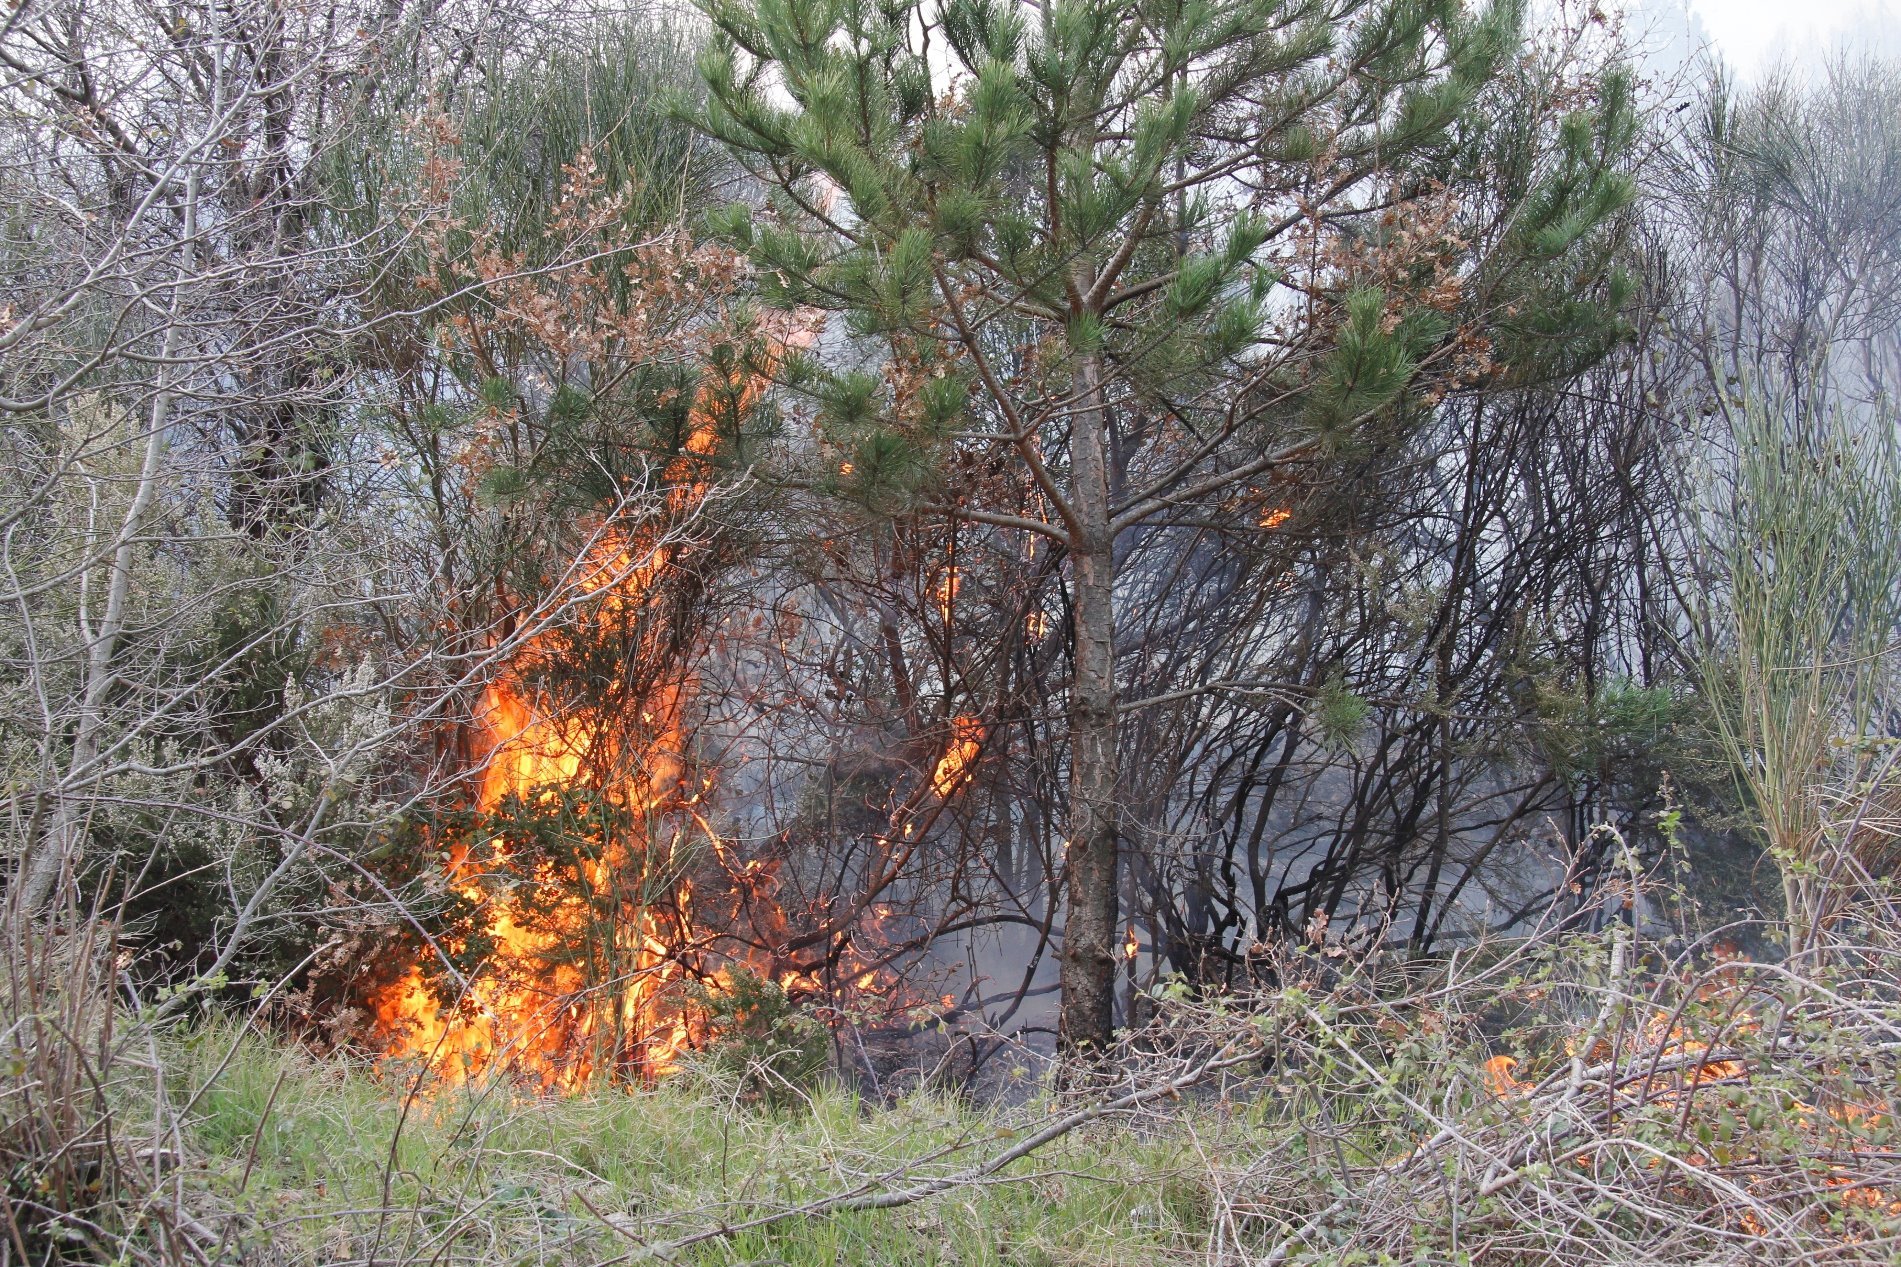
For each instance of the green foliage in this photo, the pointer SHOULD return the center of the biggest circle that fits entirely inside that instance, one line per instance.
(1338, 715)
(772, 1049)
(1801, 540)
(1561, 284)
(917, 200)
(1372, 361)
(886, 472)
(603, 94)
(300, 1146)
(1623, 727)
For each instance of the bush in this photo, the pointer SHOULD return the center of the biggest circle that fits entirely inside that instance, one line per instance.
(776, 1050)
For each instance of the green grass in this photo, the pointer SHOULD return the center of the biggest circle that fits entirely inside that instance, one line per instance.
(1364, 1132)
(304, 1148)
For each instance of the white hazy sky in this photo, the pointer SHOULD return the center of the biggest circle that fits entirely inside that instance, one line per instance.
(1752, 33)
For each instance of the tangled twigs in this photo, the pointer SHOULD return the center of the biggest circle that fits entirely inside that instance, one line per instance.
(1684, 1115)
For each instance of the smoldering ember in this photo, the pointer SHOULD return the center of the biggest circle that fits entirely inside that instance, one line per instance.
(1074, 632)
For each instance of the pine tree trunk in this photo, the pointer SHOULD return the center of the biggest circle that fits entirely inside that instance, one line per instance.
(1089, 929)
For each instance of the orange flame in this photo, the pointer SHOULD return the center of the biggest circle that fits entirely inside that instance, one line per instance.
(1500, 1078)
(1275, 517)
(954, 767)
(585, 963)
(579, 956)
(945, 591)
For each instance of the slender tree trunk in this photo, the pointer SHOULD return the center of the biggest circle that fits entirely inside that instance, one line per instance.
(1089, 930)
(53, 854)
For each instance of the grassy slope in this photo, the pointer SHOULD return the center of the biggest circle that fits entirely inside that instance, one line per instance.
(531, 1180)
(1563, 1103)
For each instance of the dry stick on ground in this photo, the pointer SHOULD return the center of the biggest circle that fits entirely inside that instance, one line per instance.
(1521, 1161)
(874, 1195)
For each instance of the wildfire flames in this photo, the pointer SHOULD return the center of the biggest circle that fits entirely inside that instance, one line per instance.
(954, 767)
(585, 963)
(532, 1008)
(582, 920)
(582, 974)
(944, 592)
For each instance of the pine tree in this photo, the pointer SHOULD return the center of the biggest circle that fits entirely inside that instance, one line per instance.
(1150, 254)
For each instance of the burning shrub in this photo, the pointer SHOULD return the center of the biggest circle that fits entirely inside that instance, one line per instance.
(1632, 1106)
(564, 955)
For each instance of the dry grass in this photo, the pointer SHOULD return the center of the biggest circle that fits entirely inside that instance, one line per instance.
(1541, 1101)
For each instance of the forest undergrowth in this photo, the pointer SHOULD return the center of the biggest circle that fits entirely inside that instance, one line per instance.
(1577, 1097)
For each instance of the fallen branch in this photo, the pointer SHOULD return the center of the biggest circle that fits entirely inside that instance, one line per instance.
(876, 1195)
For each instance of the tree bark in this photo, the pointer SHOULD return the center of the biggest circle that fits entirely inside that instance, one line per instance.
(1089, 929)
